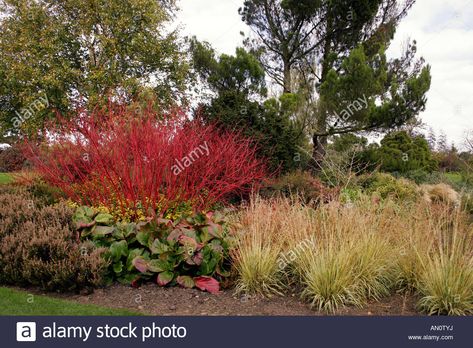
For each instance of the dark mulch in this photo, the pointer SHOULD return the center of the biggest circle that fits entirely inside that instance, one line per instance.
(153, 300)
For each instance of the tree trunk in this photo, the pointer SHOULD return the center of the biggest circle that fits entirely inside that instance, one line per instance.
(287, 79)
(318, 154)
(320, 142)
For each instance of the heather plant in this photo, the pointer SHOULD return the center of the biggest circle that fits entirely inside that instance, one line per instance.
(124, 160)
(38, 246)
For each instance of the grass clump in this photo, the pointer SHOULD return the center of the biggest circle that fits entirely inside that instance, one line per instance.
(446, 286)
(258, 250)
(352, 263)
(359, 252)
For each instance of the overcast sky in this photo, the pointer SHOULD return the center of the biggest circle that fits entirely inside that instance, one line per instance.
(443, 30)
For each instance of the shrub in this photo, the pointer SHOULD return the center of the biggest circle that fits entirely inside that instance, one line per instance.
(38, 246)
(299, 184)
(349, 195)
(121, 160)
(192, 251)
(11, 159)
(387, 186)
(401, 152)
(419, 176)
(43, 193)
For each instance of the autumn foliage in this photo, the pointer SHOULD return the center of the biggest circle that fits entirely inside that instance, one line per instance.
(121, 158)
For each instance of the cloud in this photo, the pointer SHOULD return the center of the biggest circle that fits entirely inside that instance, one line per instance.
(215, 21)
(444, 34)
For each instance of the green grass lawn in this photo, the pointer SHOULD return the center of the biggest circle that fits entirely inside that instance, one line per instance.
(5, 178)
(14, 302)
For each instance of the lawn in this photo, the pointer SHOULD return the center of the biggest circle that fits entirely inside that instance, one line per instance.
(5, 178)
(14, 302)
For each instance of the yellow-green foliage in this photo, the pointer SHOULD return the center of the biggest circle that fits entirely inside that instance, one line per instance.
(387, 186)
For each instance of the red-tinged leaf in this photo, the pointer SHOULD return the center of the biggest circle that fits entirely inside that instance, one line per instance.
(190, 244)
(195, 259)
(207, 284)
(164, 278)
(81, 225)
(174, 235)
(140, 264)
(136, 282)
(185, 282)
(165, 222)
(198, 258)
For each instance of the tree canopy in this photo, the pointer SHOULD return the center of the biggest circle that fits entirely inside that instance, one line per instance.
(336, 51)
(74, 51)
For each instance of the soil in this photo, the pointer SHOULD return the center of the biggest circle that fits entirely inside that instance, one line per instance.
(150, 299)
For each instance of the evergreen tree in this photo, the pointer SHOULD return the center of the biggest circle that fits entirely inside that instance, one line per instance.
(238, 84)
(339, 47)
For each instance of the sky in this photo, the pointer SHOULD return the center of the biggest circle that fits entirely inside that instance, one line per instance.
(443, 31)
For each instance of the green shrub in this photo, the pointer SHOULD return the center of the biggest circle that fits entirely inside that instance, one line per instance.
(44, 193)
(419, 176)
(350, 195)
(387, 186)
(192, 251)
(38, 246)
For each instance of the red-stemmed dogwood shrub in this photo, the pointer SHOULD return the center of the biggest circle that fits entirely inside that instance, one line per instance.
(120, 159)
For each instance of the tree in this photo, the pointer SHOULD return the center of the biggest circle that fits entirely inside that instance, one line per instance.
(238, 86)
(468, 141)
(432, 139)
(442, 142)
(349, 142)
(55, 54)
(400, 152)
(338, 47)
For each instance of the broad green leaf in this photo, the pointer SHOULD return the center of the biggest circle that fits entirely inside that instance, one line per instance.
(159, 247)
(143, 238)
(104, 219)
(186, 282)
(100, 231)
(158, 266)
(119, 249)
(118, 267)
(165, 278)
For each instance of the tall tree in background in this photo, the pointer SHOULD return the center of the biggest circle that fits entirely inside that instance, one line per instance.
(238, 87)
(73, 50)
(337, 50)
